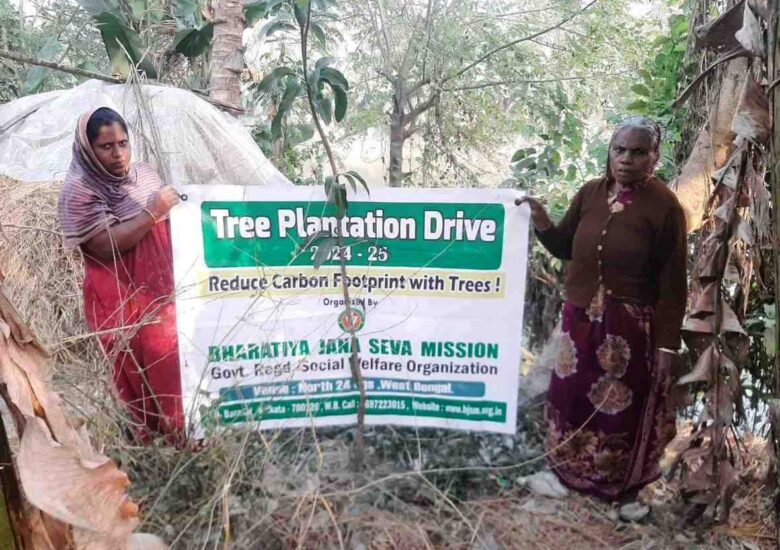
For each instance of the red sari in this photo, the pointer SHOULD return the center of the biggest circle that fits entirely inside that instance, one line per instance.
(128, 300)
(136, 292)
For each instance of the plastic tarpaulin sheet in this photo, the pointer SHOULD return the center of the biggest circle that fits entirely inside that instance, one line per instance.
(186, 138)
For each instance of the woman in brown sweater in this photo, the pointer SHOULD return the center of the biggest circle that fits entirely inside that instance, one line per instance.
(624, 239)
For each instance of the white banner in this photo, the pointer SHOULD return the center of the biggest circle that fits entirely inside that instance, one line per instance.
(436, 280)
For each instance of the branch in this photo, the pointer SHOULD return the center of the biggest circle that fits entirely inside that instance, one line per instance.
(421, 108)
(59, 67)
(357, 375)
(699, 79)
(519, 40)
(491, 83)
(98, 76)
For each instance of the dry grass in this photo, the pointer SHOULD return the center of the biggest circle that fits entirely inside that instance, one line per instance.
(293, 489)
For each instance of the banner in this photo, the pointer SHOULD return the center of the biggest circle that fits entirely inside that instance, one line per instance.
(436, 281)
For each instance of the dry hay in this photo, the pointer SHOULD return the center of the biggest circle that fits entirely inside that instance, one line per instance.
(44, 283)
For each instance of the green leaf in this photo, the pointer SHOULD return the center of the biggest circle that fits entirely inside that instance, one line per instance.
(639, 106)
(349, 179)
(280, 23)
(324, 62)
(272, 79)
(571, 173)
(340, 200)
(325, 109)
(301, 11)
(193, 42)
(254, 11)
(324, 248)
(334, 77)
(291, 92)
(360, 179)
(340, 97)
(319, 34)
(36, 76)
(646, 76)
(519, 155)
(329, 181)
(640, 90)
(121, 41)
(298, 133)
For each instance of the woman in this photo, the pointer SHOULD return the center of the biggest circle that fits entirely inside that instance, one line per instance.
(116, 212)
(624, 237)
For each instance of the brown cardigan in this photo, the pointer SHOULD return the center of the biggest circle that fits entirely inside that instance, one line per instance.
(639, 253)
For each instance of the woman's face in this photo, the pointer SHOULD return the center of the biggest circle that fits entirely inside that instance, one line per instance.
(112, 149)
(632, 156)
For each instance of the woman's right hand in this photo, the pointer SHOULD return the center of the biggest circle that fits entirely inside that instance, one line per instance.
(165, 199)
(539, 216)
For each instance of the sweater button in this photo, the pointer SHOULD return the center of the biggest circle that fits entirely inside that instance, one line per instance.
(599, 247)
(609, 292)
(604, 232)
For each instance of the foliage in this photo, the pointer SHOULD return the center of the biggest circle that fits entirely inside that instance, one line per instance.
(10, 39)
(134, 33)
(659, 87)
(282, 91)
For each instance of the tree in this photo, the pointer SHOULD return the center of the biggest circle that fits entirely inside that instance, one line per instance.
(467, 75)
(227, 52)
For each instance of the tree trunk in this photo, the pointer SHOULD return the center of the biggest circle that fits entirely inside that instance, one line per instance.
(227, 52)
(397, 140)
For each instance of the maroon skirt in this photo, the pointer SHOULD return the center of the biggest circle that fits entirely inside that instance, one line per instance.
(607, 406)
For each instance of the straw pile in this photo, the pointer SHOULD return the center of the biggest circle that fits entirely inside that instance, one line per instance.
(44, 283)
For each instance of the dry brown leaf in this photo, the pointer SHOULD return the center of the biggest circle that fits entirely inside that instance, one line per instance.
(719, 34)
(745, 232)
(706, 298)
(712, 258)
(724, 403)
(733, 273)
(727, 176)
(713, 146)
(25, 371)
(89, 495)
(701, 483)
(750, 36)
(752, 119)
(705, 367)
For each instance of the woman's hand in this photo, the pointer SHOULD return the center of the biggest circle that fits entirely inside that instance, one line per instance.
(160, 204)
(539, 216)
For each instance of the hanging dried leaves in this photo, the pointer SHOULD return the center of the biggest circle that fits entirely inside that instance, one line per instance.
(719, 34)
(713, 147)
(752, 119)
(712, 329)
(87, 492)
(78, 497)
(750, 36)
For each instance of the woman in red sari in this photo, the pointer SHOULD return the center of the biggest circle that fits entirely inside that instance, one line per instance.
(624, 239)
(116, 212)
